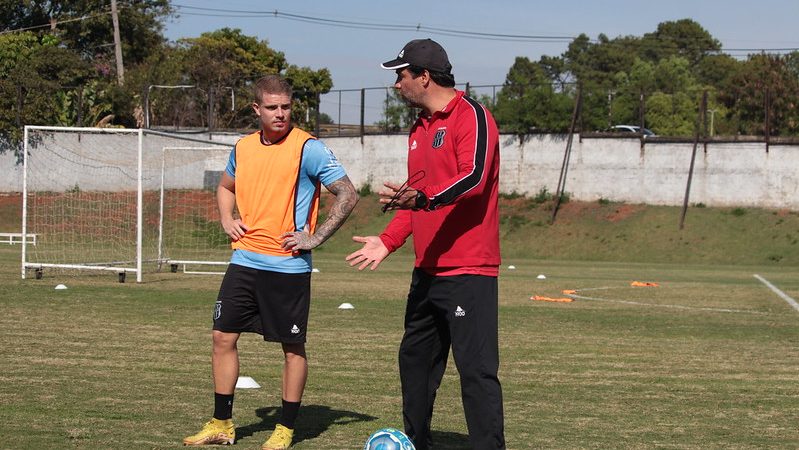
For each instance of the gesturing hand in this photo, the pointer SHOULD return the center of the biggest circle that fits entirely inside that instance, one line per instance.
(372, 253)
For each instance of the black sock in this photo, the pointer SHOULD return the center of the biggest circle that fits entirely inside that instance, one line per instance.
(288, 415)
(223, 406)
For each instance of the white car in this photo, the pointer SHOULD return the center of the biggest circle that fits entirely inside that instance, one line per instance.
(631, 129)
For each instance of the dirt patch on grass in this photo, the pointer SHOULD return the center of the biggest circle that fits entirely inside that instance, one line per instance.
(10, 212)
(13, 198)
(622, 212)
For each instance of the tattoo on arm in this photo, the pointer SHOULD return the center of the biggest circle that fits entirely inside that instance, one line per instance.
(346, 198)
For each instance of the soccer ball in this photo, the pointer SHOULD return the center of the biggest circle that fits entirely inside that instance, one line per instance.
(388, 439)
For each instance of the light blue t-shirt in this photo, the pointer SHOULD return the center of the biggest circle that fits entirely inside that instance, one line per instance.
(318, 165)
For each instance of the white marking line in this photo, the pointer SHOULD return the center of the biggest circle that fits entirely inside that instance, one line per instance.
(628, 302)
(782, 295)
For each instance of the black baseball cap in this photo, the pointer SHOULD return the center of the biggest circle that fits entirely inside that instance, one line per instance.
(424, 53)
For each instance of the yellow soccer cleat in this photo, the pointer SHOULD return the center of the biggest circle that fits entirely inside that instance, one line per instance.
(280, 439)
(215, 432)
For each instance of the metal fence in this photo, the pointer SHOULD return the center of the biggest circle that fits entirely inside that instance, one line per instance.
(358, 112)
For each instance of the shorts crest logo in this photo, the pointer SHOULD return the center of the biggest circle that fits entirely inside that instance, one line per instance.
(295, 329)
(218, 309)
(438, 139)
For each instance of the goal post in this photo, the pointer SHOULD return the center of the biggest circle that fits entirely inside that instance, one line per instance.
(97, 199)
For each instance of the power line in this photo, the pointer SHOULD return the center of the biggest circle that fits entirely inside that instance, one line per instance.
(371, 25)
(376, 26)
(215, 12)
(55, 23)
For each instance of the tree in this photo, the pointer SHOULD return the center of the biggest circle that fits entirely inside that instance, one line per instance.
(308, 84)
(79, 33)
(34, 73)
(746, 95)
(683, 37)
(397, 115)
(668, 69)
(529, 102)
(221, 65)
(85, 25)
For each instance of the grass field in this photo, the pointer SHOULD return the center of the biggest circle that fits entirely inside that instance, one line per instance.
(706, 360)
(709, 359)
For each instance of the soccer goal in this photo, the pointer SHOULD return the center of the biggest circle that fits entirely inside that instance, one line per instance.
(189, 235)
(98, 200)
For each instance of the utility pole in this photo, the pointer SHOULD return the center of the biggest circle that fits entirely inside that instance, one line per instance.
(117, 44)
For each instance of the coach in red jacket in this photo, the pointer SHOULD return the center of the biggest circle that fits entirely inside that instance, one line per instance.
(449, 204)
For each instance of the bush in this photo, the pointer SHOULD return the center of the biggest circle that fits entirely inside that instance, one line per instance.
(542, 196)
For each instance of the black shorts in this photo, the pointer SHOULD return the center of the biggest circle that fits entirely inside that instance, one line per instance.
(272, 304)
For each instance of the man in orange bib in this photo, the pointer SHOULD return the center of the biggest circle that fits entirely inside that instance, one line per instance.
(273, 177)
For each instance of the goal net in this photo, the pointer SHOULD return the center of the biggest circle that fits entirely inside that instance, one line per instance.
(93, 199)
(190, 238)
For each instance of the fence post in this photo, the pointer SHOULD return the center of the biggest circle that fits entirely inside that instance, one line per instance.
(768, 116)
(146, 97)
(80, 106)
(318, 113)
(210, 108)
(385, 107)
(363, 110)
(567, 154)
(19, 106)
(700, 119)
(641, 116)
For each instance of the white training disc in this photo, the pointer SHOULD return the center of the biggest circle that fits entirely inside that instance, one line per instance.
(246, 383)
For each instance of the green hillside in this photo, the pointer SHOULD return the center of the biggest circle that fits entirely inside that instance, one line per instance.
(607, 231)
(595, 231)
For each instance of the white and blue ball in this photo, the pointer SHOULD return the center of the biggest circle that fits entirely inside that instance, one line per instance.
(388, 439)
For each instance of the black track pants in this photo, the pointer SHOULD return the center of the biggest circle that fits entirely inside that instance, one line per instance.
(461, 312)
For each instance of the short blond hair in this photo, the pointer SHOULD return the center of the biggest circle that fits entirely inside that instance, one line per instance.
(271, 84)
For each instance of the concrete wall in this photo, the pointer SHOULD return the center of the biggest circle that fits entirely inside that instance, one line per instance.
(739, 174)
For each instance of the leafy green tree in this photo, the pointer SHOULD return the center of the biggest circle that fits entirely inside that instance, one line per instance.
(308, 84)
(85, 26)
(222, 65)
(528, 101)
(82, 31)
(221, 60)
(167, 106)
(685, 38)
(667, 70)
(746, 95)
(397, 115)
(34, 72)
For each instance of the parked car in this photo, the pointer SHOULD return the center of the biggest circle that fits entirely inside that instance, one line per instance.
(632, 129)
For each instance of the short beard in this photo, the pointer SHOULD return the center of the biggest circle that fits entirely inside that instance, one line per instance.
(410, 102)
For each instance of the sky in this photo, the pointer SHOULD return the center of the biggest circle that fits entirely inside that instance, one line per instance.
(353, 55)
